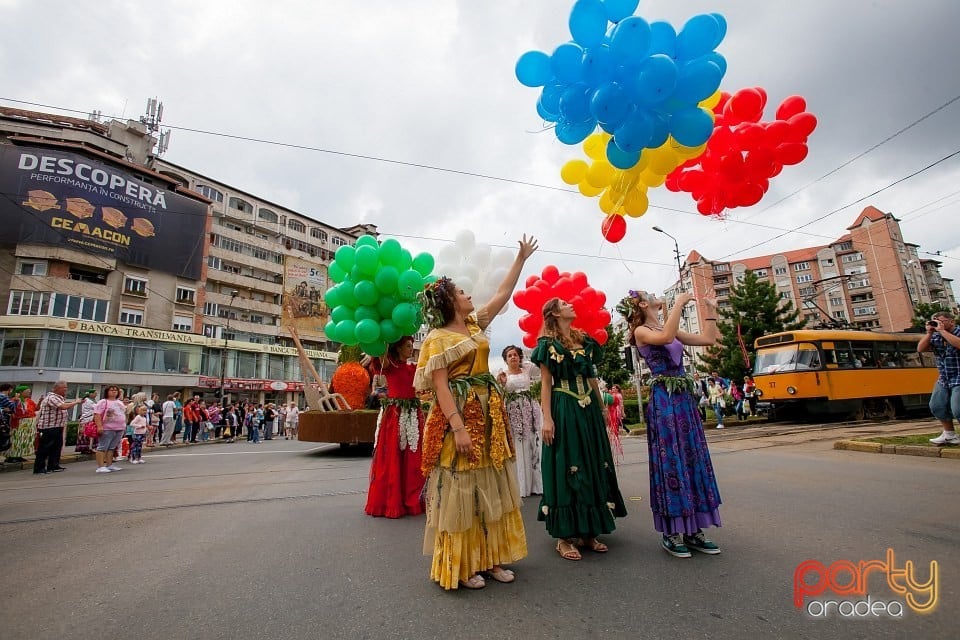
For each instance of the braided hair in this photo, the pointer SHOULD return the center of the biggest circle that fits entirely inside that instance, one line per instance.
(551, 327)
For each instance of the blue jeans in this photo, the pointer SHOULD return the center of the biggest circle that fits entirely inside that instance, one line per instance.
(254, 433)
(945, 402)
(718, 409)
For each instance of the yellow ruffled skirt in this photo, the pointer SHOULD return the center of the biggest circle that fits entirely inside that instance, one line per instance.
(473, 516)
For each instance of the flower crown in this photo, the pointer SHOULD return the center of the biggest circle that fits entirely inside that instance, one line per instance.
(629, 303)
(429, 300)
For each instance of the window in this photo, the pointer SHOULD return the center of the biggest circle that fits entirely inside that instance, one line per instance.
(720, 268)
(261, 254)
(213, 262)
(183, 323)
(721, 280)
(240, 205)
(212, 331)
(786, 295)
(858, 284)
(808, 291)
(864, 311)
(780, 271)
(338, 241)
(135, 286)
(840, 315)
(267, 216)
(186, 295)
(31, 268)
(29, 303)
(129, 315)
(806, 277)
(827, 262)
(79, 308)
(723, 292)
(88, 275)
(836, 302)
(296, 225)
(318, 233)
(209, 192)
(760, 273)
(801, 266)
(210, 308)
(852, 257)
(844, 246)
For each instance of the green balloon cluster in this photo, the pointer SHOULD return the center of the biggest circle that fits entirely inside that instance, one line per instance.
(374, 302)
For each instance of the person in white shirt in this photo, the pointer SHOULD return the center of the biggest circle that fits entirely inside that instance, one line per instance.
(291, 421)
(168, 414)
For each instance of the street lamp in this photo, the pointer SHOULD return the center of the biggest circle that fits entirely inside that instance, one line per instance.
(223, 352)
(676, 253)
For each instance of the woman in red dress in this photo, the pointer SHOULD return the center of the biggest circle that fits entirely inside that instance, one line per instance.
(396, 480)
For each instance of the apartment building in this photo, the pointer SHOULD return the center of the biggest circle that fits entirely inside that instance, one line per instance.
(869, 278)
(118, 267)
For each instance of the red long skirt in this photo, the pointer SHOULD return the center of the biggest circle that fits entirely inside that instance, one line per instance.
(396, 481)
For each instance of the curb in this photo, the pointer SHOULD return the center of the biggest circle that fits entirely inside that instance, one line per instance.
(71, 457)
(898, 449)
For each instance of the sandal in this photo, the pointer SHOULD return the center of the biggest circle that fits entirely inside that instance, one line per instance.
(475, 582)
(500, 574)
(570, 553)
(595, 545)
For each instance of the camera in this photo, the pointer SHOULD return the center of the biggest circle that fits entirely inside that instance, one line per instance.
(933, 324)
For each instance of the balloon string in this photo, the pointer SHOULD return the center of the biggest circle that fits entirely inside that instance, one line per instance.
(546, 127)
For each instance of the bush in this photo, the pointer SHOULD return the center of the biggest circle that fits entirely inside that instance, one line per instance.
(71, 435)
(631, 411)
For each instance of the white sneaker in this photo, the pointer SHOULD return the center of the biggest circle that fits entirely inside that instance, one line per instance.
(946, 438)
(114, 467)
(103, 470)
(719, 426)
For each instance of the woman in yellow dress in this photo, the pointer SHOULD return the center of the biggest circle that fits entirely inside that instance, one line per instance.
(474, 524)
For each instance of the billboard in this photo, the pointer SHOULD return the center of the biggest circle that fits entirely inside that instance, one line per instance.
(304, 284)
(55, 197)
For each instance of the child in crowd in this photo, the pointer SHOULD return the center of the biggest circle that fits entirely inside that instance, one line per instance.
(140, 428)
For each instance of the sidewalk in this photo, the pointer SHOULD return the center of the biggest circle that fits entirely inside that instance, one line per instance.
(68, 455)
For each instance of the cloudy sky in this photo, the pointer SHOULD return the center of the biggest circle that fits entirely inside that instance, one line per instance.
(432, 83)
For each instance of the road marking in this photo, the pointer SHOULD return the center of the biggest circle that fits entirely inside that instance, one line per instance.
(240, 453)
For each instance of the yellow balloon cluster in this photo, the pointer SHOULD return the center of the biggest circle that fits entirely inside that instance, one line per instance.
(624, 191)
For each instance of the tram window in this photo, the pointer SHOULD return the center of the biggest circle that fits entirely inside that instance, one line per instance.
(863, 355)
(910, 358)
(839, 355)
(807, 357)
(927, 359)
(887, 355)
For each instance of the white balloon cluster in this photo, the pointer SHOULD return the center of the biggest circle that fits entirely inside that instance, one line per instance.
(473, 266)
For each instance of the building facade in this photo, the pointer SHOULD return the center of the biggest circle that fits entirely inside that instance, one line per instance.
(117, 267)
(870, 278)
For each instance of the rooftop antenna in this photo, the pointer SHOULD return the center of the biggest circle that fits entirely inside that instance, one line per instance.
(152, 120)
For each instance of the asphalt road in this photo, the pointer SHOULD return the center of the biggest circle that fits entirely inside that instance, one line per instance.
(270, 541)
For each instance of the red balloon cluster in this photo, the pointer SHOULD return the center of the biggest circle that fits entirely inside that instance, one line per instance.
(587, 303)
(744, 152)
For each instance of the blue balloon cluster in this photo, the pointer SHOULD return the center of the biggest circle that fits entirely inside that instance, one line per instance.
(640, 81)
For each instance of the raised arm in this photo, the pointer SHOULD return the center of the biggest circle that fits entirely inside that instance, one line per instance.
(492, 307)
(646, 335)
(710, 334)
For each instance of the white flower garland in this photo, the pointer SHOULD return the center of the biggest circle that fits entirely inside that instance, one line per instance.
(409, 429)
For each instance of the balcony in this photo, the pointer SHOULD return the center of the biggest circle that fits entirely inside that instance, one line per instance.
(239, 281)
(241, 304)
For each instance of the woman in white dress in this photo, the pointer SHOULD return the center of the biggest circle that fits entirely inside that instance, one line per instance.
(525, 419)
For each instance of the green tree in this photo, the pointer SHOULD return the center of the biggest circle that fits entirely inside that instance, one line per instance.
(611, 369)
(922, 312)
(758, 310)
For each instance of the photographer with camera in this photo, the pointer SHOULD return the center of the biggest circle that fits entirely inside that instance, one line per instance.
(943, 338)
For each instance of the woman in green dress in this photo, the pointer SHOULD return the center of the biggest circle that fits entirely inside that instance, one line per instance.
(580, 493)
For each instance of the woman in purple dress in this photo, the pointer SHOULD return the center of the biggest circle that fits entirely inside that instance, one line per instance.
(683, 489)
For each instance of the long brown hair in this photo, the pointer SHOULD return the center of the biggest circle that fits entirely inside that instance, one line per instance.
(631, 310)
(551, 326)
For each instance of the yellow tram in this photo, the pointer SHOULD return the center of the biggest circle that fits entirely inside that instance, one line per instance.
(853, 374)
